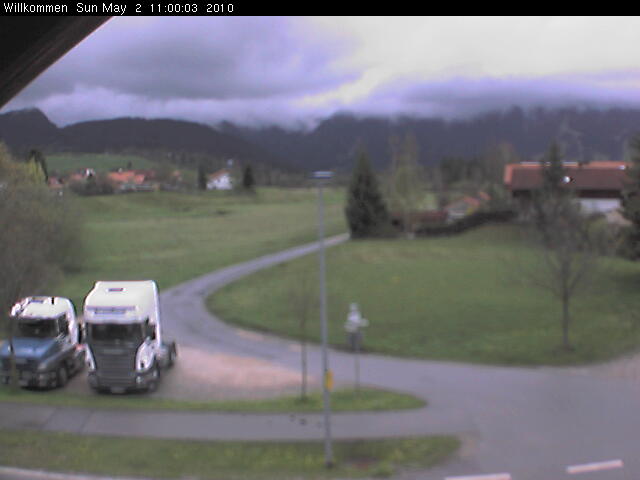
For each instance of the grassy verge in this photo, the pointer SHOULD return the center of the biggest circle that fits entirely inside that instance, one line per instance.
(216, 460)
(367, 399)
(173, 237)
(462, 298)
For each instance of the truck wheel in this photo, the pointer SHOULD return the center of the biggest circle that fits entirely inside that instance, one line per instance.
(63, 377)
(153, 384)
(173, 353)
(81, 362)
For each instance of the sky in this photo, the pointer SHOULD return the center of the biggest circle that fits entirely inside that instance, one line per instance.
(295, 71)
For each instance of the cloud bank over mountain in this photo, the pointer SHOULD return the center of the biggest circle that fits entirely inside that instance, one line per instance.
(295, 71)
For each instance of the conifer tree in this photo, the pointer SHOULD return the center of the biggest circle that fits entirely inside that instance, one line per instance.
(248, 182)
(202, 177)
(366, 211)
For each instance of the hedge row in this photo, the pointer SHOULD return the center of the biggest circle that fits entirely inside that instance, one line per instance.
(470, 221)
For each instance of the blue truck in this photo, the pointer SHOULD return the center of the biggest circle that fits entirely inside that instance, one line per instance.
(46, 341)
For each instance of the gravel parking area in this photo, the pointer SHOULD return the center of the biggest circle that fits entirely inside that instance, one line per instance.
(199, 375)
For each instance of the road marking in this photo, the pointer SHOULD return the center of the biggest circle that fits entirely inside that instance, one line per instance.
(594, 467)
(490, 476)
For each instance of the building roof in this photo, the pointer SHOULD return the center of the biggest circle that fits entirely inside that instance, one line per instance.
(591, 176)
(219, 173)
(130, 176)
(54, 182)
(466, 201)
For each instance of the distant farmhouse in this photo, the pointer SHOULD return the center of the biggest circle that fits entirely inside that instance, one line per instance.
(597, 185)
(133, 180)
(220, 180)
(81, 174)
(465, 206)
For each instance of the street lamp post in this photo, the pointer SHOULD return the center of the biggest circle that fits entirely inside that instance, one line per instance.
(321, 176)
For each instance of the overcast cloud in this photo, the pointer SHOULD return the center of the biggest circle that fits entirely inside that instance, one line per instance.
(294, 71)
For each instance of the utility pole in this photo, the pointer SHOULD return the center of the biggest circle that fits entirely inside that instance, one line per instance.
(321, 176)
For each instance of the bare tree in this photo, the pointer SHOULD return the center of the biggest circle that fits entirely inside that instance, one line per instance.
(494, 160)
(567, 243)
(303, 299)
(568, 250)
(407, 188)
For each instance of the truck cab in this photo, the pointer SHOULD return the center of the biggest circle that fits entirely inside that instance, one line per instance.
(125, 348)
(45, 341)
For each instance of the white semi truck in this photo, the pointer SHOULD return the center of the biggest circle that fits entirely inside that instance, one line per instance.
(125, 348)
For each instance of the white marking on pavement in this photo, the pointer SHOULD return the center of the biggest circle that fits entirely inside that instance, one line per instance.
(490, 476)
(594, 467)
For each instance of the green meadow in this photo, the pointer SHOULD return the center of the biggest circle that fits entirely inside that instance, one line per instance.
(173, 237)
(461, 298)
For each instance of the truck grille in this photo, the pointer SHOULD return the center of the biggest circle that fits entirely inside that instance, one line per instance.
(115, 365)
(21, 364)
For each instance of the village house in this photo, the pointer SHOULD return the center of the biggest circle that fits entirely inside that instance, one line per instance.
(132, 180)
(597, 186)
(55, 183)
(81, 175)
(220, 180)
(465, 206)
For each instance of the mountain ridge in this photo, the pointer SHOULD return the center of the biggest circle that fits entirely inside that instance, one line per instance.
(585, 134)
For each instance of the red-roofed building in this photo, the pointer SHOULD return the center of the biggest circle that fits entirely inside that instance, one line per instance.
(463, 206)
(55, 183)
(132, 180)
(597, 185)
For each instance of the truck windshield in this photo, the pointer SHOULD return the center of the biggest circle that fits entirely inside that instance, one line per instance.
(113, 332)
(36, 327)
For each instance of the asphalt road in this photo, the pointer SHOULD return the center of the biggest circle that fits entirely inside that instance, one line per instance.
(529, 422)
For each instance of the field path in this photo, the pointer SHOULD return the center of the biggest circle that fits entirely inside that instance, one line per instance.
(529, 422)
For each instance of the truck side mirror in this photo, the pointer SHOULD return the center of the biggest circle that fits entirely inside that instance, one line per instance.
(150, 331)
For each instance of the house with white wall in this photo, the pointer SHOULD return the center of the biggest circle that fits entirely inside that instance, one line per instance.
(597, 186)
(220, 180)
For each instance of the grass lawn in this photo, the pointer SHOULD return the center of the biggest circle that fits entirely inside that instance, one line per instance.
(367, 399)
(216, 460)
(173, 237)
(64, 163)
(459, 298)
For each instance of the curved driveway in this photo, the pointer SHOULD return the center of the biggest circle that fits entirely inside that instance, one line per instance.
(530, 422)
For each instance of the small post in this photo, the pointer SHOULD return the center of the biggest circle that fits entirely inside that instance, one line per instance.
(357, 360)
(354, 325)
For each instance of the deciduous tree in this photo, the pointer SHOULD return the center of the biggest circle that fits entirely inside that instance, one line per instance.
(568, 246)
(39, 235)
(407, 188)
(631, 202)
(304, 306)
